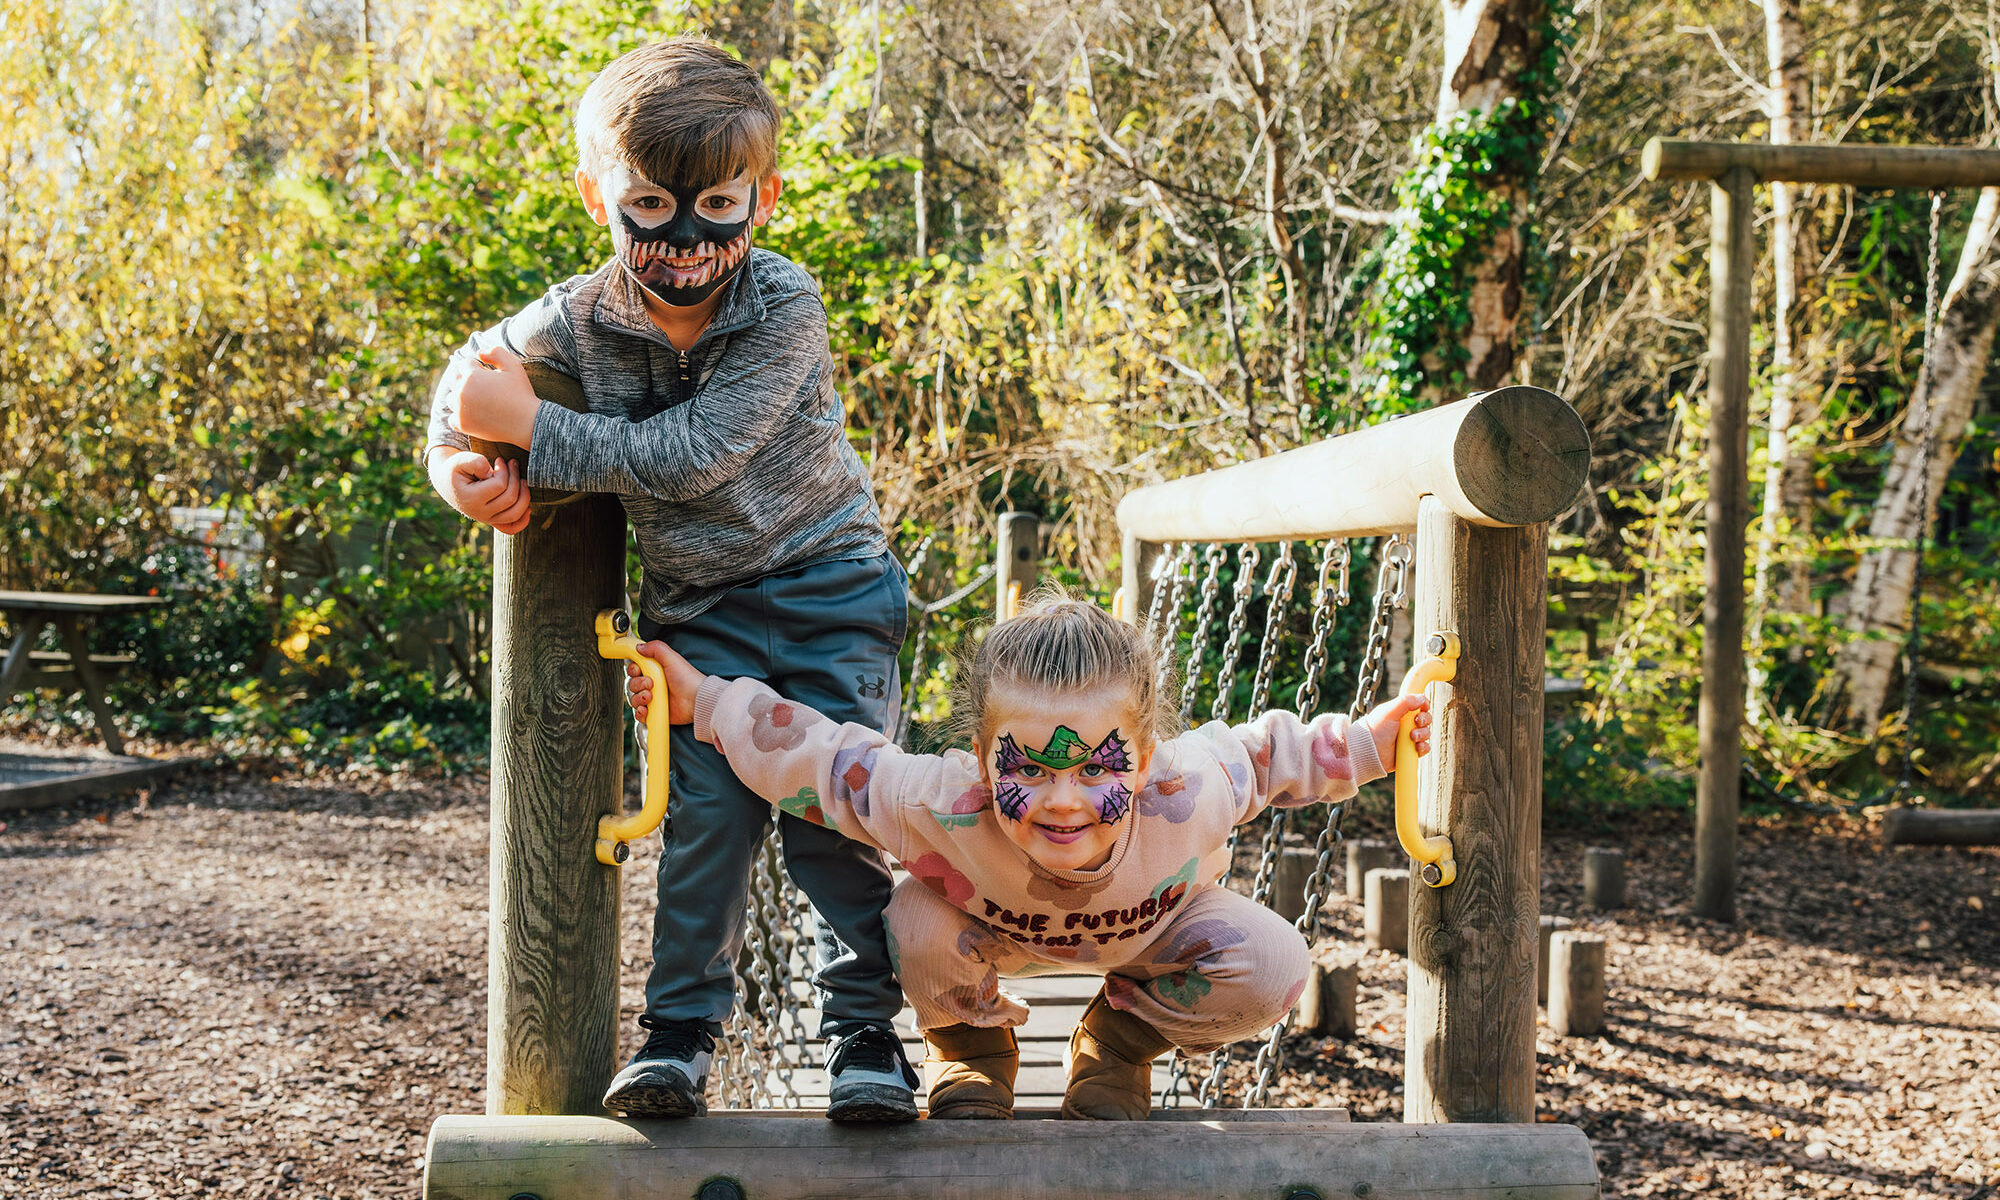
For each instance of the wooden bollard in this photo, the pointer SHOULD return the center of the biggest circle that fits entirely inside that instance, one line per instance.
(1288, 883)
(1604, 878)
(1326, 1007)
(1386, 915)
(1363, 856)
(1550, 925)
(1576, 983)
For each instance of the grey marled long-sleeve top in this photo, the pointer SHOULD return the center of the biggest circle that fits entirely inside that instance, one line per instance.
(731, 457)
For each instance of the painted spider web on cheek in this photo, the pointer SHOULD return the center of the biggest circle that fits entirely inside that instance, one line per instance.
(1114, 803)
(1012, 801)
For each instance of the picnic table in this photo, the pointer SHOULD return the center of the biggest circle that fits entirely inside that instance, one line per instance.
(28, 613)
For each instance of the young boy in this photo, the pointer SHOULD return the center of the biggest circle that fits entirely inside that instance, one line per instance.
(712, 415)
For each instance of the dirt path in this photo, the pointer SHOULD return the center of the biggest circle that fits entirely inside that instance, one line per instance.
(253, 987)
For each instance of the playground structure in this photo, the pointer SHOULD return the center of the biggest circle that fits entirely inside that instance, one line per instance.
(1731, 169)
(1477, 481)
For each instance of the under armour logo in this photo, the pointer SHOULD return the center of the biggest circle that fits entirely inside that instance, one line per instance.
(875, 690)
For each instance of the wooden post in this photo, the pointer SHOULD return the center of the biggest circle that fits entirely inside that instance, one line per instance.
(558, 717)
(1136, 576)
(1385, 918)
(1288, 881)
(1550, 926)
(1576, 983)
(1327, 1006)
(1017, 561)
(1470, 1052)
(1363, 856)
(1604, 878)
(1718, 788)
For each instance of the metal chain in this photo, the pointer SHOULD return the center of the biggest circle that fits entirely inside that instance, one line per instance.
(1247, 557)
(1204, 619)
(1278, 598)
(1182, 569)
(1163, 569)
(1334, 557)
(1397, 555)
(1391, 588)
(1916, 638)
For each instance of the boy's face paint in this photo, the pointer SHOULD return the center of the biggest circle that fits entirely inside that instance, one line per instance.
(1064, 797)
(680, 244)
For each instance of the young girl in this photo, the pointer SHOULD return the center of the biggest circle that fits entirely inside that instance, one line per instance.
(1069, 839)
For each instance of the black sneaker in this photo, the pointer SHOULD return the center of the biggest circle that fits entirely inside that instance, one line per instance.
(669, 1074)
(869, 1077)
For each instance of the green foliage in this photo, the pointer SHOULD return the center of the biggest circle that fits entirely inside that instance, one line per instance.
(1474, 172)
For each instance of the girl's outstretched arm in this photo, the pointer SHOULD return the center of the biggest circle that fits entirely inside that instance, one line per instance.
(846, 777)
(1281, 761)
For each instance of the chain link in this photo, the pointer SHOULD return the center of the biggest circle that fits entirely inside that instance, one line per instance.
(1211, 583)
(1247, 557)
(1929, 435)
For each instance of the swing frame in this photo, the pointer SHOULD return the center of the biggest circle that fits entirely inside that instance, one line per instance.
(1732, 169)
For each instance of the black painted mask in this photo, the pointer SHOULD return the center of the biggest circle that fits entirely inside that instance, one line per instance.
(668, 243)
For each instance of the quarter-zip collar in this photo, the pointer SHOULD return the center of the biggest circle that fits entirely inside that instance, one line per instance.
(621, 305)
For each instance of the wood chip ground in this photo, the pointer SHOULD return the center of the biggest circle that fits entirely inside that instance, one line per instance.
(254, 986)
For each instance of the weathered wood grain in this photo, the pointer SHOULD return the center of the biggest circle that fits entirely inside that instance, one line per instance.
(582, 1158)
(558, 721)
(1470, 1050)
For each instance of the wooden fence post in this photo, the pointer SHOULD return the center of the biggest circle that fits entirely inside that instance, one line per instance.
(558, 720)
(1017, 560)
(1470, 1052)
(1136, 576)
(1718, 788)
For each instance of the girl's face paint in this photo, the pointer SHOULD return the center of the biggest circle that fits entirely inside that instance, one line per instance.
(1063, 774)
(680, 244)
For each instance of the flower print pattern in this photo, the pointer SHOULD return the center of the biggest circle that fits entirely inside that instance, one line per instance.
(1329, 755)
(778, 725)
(1171, 798)
(806, 807)
(1190, 947)
(1062, 893)
(941, 877)
(853, 768)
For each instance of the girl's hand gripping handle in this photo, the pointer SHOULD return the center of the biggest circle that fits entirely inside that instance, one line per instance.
(1437, 867)
(615, 640)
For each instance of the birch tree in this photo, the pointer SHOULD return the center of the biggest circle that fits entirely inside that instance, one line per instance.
(1926, 446)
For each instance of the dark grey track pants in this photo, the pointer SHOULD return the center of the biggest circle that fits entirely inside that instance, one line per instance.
(825, 635)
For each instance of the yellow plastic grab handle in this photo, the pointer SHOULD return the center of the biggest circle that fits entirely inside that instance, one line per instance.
(615, 640)
(1437, 868)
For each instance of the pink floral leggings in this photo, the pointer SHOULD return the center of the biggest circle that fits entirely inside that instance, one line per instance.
(1219, 969)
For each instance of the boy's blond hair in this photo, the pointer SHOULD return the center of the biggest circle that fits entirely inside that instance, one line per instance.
(1061, 645)
(682, 113)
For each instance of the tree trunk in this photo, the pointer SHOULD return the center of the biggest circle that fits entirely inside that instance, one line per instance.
(1879, 606)
(1788, 472)
(1487, 46)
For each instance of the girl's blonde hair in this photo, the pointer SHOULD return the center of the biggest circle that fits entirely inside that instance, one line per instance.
(1059, 644)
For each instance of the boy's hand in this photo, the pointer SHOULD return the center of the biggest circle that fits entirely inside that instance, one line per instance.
(1386, 718)
(682, 682)
(496, 401)
(489, 491)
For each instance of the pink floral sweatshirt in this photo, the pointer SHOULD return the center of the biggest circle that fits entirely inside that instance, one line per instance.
(935, 814)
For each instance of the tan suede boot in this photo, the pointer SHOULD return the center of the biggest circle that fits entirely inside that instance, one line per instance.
(1110, 1064)
(971, 1072)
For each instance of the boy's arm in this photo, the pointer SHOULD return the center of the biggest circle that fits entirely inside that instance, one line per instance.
(1280, 761)
(804, 763)
(691, 449)
(490, 491)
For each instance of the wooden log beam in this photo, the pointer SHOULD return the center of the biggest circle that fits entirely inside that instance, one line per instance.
(1853, 165)
(558, 718)
(769, 1158)
(1514, 456)
(1940, 827)
(1718, 787)
(1469, 1054)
